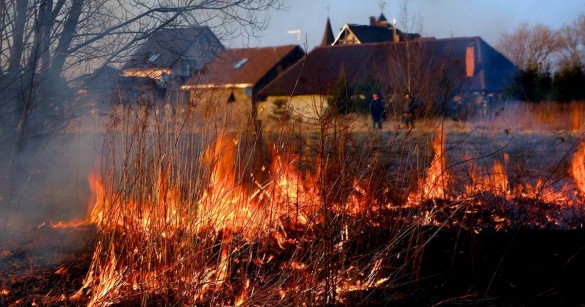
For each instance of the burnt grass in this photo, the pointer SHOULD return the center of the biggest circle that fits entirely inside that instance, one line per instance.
(473, 262)
(484, 251)
(460, 266)
(505, 268)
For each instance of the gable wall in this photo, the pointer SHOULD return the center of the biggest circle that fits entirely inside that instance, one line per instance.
(212, 109)
(302, 108)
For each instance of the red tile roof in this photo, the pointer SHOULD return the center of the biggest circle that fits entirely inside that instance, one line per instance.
(244, 67)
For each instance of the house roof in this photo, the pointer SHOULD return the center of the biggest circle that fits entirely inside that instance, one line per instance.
(243, 67)
(382, 17)
(371, 34)
(169, 47)
(366, 34)
(387, 62)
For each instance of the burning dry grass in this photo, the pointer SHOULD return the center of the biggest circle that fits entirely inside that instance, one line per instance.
(201, 220)
(327, 216)
(303, 224)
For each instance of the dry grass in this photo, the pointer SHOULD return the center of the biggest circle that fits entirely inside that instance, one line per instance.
(326, 213)
(218, 217)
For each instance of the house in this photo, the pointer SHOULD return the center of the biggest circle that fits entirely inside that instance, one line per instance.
(169, 56)
(96, 90)
(228, 89)
(379, 30)
(434, 70)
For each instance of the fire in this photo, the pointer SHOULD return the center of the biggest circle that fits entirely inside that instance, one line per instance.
(223, 212)
(437, 178)
(576, 116)
(201, 244)
(435, 182)
(578, 168)
(494, 181)
(96, 206)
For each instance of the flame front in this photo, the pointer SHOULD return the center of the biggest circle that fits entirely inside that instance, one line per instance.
(155, 240)
(208, 247)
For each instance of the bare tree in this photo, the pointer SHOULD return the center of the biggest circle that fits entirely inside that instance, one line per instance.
(529, 47)
(572, 44)
(43, 43)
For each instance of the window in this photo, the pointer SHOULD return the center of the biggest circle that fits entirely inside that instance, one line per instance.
(240, 63)
(153, 57)
(232, 98)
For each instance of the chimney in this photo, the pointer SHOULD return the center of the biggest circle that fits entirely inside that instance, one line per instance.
(395, 36)
(372, 20)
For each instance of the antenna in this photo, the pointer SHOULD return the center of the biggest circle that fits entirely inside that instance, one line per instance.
(382, 3)
(297, 32)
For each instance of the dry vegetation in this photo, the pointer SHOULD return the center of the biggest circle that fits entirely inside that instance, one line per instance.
(327, 214)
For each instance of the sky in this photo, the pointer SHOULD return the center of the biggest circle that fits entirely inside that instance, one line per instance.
(436, 18)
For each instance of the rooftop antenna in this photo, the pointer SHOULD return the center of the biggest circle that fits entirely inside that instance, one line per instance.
(382, 3)
(297, 32)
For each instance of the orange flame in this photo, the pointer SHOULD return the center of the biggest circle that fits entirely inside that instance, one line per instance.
(226, 210)
(495, 181)
(225, 206)
(437, 177)
(578, 168)
(435, 183)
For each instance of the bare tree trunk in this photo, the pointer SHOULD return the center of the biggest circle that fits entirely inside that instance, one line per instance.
(17, 38)
(2, 26)
(66, 37)
(44, 28)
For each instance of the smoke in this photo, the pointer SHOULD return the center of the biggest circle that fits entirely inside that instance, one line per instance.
(48, 144)
(49, 178)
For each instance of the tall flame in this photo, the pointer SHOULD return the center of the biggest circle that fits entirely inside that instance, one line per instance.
(437, 178)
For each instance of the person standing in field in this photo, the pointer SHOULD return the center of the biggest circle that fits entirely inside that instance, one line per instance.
(376, 110)
(409, 110)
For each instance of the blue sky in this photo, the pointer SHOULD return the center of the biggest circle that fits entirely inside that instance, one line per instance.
(438, 18)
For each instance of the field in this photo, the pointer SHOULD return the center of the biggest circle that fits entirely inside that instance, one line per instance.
(486, 212)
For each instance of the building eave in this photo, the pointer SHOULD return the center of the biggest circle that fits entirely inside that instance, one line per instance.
(217, 86)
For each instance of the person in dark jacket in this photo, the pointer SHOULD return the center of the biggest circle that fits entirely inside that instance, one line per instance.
(376, 110)
(409, 110)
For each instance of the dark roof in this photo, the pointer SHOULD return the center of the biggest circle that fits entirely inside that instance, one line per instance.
(385, 62)
(371, 34)
(328, 37)
(378, 34)
(244, 66)
(168, 47)
(382, 17)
